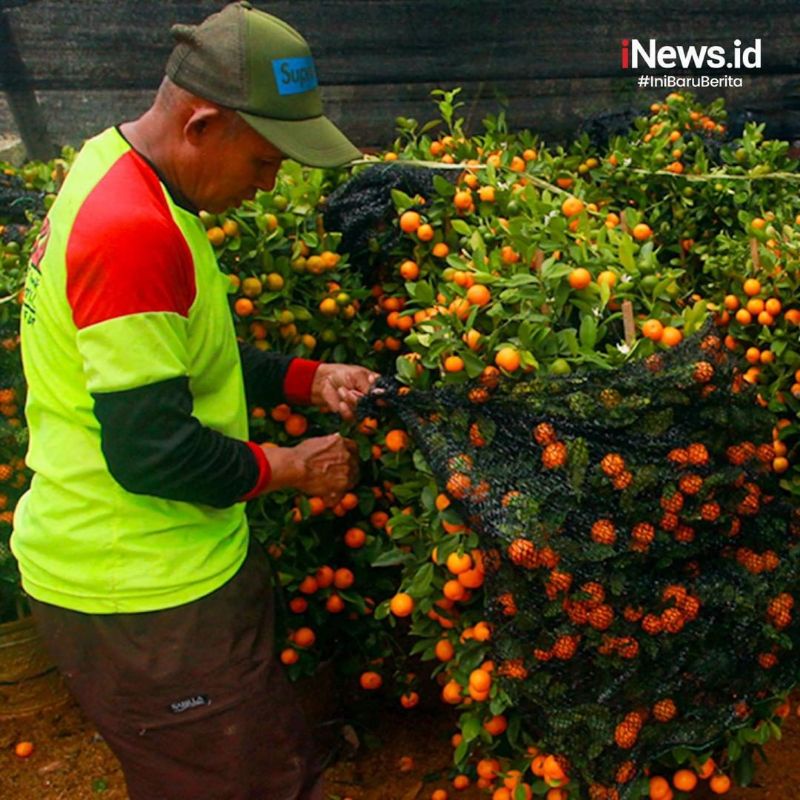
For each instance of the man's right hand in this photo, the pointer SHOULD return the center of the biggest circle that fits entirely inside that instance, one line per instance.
(325, 466)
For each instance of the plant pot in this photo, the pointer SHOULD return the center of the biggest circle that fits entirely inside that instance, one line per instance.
(29, 682)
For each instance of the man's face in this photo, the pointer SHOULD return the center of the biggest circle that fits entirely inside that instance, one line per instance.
(231, 163)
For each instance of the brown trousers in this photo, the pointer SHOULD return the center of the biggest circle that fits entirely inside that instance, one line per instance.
(191, 699)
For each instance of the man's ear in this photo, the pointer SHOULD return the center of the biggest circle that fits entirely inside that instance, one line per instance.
(202, 119)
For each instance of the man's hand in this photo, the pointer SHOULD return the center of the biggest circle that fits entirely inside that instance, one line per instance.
(325, 466)
(338, 387)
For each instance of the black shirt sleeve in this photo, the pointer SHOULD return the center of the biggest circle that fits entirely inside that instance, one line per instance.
(264, 373)
(153, 445)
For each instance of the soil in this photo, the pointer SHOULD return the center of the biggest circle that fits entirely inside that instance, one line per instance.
(71, 762)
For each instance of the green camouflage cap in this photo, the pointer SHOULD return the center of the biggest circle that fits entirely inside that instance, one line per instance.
(256, 64)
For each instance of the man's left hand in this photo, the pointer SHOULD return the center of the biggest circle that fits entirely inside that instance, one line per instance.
(339, 387)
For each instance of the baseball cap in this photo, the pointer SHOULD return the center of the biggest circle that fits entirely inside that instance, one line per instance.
(262, 68)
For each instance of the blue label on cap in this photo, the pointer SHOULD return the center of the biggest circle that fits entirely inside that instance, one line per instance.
(295, 75)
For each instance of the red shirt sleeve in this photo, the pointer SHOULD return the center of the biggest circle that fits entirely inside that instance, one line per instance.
(299, 380)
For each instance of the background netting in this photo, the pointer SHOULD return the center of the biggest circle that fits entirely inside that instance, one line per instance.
(640, 569)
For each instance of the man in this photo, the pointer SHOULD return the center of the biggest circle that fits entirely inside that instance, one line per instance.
(132, 540)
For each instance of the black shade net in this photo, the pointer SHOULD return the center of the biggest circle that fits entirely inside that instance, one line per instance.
(640, 562)
(362, 209)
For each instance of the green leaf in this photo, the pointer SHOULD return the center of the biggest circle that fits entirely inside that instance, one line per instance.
(744, 770)
(470, 727)
(421, 291)
(626, 253)
(402, 202)
(459, 226)
(422, 581)
(443, 187)
(588, 332)
(392, 558)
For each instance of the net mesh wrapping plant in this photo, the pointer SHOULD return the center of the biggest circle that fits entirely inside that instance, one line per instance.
(640, 571)
(362, 209)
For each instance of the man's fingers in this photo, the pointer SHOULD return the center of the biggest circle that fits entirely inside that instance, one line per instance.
(350, 445)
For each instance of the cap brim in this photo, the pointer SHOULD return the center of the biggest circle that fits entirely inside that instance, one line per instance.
(316, 142)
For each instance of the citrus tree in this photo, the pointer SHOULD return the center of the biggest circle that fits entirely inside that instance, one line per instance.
(523, 261)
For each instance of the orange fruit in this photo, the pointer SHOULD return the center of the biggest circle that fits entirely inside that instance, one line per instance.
(289, 656)
(460, 782)
(659, 788)
(731, 302)
(642, 232)
(684, 780)
(607, 278)
(580, 278)
(23, 749)
(671, 336)
(308, 585)
(496, 725)
(478, 295)
(444, 650)
(296, 425)
(706, 769)
(459, 563)
(401, 605)
(281, 412)
(720, 784)
(216, 236)
(480, 680)
(752, 287)
(425, 232)
(488, 768)
(453, 590)
(472, 338)
(244, 306)
(324, 576)
(453, 364)
(230, 227)
(355, 538)
(396, 440)
(440, 250)
(652, 329)
(304, 637)
(370, 681)
(343, 578)
(442, 502)
(409, 270)
(773, 306)
(508, 358)
(462, 200)
(451, 692)
(409, 221)
(572, 206)
(334, 604)
(251, 287)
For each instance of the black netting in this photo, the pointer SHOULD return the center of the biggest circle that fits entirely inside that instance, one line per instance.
(16, 201)
(362, 209)
(638, 562)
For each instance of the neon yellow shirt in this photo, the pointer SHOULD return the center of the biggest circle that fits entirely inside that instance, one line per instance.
(123, 291)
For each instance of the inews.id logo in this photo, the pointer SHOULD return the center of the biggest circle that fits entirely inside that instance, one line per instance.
(638, 54)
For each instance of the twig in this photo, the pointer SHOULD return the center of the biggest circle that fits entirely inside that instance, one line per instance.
(754, 254)
(627, 322)
(718, 176)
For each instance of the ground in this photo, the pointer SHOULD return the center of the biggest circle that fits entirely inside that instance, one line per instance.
(71, 762)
